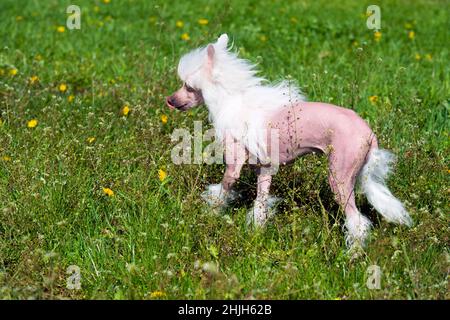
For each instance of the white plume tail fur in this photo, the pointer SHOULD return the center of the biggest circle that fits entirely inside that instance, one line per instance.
(373, 181)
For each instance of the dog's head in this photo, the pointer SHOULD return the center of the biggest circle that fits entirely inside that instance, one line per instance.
(195, 69)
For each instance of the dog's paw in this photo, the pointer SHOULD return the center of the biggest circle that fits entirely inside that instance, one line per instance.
(272, 203)
(217, 197)
(262, 211)
(355, 251)
(258, 215)
(357, 231)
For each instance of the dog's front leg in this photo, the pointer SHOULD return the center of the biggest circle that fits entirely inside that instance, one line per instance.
(219, 195)
(259, 213)
(263, 207)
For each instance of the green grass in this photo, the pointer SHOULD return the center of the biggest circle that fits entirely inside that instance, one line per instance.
(156, 236)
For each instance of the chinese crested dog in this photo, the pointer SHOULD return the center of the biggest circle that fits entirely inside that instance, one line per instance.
(274, 124)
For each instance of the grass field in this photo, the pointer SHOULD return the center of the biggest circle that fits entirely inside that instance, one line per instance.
(90, 183)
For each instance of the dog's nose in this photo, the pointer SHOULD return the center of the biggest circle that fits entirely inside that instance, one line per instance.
(170, 102)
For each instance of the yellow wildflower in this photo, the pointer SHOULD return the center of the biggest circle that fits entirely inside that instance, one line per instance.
(70, 98)
(34, 79)
(418, 56)
(263, 38)
(125, 110)
(90, 139)
(411, 35)
(32, 123)
(108, 192)
(179, 24)
(106, 1)
(373, 99)
(377, 36)
(13, 71)
(61, 29)
(164, 118)
(203, 22)
(429, 57)
(162, 175)
(157, 294)
(6, 158)
(185, 37)
(62, 87)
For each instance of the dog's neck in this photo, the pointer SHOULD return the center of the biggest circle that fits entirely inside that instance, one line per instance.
(230, 117)
(220, 101)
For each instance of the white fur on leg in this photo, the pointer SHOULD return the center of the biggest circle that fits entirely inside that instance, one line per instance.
(263, 209)
(216, 196)
(358, 228)
(272, 202)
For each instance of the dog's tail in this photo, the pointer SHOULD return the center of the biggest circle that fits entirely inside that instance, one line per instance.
(373, 181)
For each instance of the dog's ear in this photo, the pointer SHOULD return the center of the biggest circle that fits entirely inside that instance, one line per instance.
(222, 42)
(211, 51)
(210, 56)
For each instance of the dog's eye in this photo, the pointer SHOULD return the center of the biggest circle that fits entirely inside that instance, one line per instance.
(189, 88)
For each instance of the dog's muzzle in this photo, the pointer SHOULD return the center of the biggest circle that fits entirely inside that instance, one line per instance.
(170, 102)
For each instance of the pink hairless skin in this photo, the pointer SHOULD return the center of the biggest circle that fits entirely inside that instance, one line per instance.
(338, 132)
(237, 99)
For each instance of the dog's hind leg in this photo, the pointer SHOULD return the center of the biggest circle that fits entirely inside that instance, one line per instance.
(343, 171)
